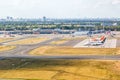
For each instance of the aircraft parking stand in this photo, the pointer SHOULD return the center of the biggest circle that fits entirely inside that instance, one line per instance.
(109, 43)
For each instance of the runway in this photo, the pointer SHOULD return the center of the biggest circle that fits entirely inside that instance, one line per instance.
(22, 51)
(82, 57)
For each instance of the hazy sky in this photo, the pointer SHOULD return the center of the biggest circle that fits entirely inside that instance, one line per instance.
(60, 8)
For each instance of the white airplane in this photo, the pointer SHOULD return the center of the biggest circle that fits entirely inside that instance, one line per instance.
(97, 41)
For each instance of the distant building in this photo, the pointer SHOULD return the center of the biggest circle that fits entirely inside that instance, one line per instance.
(9, 18)
(44, 19)
(109, 24)
(115, 24)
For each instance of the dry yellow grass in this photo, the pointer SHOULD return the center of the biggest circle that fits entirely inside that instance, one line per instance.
(66, 50)
(6, 48)
(49, 50)
(118, 52)
(5, 39)
(60, 69)
(41, 50)
(29, 41)
(62, 41)
(28, 74)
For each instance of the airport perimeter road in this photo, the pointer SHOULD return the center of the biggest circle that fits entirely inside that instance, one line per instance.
(84, 57)
(22, 50)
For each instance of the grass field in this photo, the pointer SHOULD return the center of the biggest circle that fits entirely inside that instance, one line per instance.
(66, 39)
(49, 50)
(5, 39)
(6, 48)
(36, 69)
(62, 41)
(29, 41)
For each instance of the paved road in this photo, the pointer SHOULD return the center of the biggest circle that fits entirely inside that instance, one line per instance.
(24, 49)
(84, 57)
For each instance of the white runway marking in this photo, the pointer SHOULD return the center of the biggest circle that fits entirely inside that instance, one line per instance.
(82, 43)
(110, 43)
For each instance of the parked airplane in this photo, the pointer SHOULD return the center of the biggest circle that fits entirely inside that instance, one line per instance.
(97, 41)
